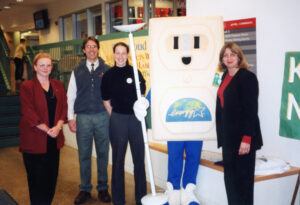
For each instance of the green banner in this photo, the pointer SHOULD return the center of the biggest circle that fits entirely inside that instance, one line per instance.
(290, 99)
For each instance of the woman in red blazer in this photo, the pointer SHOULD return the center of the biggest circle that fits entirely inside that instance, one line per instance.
(43, 112)
(238, 129)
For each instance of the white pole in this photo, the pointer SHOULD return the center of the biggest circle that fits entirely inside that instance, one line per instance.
(138, 93)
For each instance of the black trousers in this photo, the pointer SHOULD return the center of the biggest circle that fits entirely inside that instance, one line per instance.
(42, 171)
(123, 129)
(239, 177)
(18, 68)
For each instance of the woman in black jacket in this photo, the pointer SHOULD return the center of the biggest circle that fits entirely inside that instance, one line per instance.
(238, 129)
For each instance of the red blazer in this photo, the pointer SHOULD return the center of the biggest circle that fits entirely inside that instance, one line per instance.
(34, 111)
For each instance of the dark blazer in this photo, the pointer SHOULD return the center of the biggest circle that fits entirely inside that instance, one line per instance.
(34, 111)
(239, 116)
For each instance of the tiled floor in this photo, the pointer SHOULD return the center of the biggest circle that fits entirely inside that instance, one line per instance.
(13, 178)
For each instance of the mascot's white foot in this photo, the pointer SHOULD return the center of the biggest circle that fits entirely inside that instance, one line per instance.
(173, 195)
(188, 196)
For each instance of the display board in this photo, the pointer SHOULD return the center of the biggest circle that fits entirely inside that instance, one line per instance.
(290, 109)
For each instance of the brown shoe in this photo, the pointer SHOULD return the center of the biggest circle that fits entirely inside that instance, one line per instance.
(104, 196)
(82, 197)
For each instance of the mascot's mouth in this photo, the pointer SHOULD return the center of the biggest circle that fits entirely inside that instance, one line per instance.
(186, 60)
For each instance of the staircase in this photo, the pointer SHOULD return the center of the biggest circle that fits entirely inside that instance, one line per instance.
(3, 88)
(9, 120)
(4, 65)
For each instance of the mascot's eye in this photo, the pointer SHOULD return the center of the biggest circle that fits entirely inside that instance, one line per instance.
(175, 42)
(196, 42)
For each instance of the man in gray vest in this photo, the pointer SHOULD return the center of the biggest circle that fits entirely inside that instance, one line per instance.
(91, 122)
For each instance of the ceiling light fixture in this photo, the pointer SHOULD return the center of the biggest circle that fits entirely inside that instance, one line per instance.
(6, 7)
(19, 0)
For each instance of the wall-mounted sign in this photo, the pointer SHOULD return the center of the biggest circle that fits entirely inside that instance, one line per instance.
(290, 97)
(243, 32)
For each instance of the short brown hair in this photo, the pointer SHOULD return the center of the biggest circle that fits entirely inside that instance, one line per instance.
(90, 38)
(235, 48)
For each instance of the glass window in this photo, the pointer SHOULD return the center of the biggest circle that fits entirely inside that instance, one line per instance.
(170, 8)
(67, 28)
(135, 11)
(97, 20)
(81, 25)
(157, 8)
(181, 8)
(116, 14)
(163, 8)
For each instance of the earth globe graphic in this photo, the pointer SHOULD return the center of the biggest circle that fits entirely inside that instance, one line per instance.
(188, 110)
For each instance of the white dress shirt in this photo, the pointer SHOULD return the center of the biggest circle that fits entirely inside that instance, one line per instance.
(72, 89)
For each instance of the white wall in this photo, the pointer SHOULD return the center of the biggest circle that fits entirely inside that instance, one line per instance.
(278, 28)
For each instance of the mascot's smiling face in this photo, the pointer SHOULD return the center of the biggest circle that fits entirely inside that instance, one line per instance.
(186, 44)
(190, 46)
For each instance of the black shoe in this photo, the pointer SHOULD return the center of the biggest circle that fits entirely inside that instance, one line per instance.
(104, 196)
(82, 197)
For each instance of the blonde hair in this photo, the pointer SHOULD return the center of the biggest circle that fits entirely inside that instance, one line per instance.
(41, 55)
(242, 63)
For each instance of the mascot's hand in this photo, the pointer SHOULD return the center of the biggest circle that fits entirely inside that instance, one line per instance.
(140, 108)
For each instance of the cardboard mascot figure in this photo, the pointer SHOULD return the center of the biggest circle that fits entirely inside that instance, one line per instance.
(183, 61)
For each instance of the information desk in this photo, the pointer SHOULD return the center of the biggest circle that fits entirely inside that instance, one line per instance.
(210, 164)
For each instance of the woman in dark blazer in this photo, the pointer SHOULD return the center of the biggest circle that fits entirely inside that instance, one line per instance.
(43, 112)
(238, 129)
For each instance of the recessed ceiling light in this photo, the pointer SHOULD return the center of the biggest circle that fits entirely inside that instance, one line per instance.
(19, 0)
(6, 7)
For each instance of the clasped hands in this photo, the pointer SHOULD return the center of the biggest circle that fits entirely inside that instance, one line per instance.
(54, 131)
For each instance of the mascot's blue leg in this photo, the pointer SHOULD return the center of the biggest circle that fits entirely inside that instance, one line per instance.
(175, 162)
(175, 166)
(193, 155)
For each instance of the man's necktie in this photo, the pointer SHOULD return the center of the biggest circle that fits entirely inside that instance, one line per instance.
(92, 72)
(92, 65)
